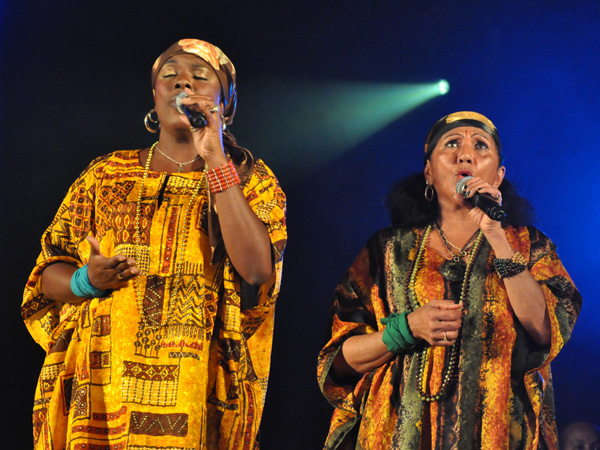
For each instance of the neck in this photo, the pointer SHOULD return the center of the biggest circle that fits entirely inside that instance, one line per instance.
(457, 224)
(180, 148)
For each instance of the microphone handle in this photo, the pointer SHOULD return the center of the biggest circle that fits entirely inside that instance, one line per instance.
(197, 118)
(489, 206)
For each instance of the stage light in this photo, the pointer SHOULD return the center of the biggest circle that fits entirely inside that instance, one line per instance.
(302, 123)
(443, 86)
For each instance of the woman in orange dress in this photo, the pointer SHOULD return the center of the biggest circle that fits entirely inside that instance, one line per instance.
(443, 329)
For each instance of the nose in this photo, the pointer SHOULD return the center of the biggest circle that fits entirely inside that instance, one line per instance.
(183, 81)
(465, 154)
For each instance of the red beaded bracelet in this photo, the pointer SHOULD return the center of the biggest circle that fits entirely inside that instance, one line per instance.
(222, 177)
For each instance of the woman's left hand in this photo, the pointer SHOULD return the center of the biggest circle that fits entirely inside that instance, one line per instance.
(208, 140)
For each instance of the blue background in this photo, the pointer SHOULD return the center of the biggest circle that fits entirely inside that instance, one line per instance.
(75, 80)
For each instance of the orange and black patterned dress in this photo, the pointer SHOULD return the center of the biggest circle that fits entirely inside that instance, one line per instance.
(500, 396)
(181, 364)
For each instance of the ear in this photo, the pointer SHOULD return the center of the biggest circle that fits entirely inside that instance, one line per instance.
(427, 172)
(499, 176)
(154, 96)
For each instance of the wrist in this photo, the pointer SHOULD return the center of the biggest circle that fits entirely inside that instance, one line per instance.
(82, 287)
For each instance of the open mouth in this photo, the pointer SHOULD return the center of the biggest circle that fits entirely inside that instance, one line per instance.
(464, 173)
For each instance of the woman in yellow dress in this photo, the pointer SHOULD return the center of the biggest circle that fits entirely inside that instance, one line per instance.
(154, 292)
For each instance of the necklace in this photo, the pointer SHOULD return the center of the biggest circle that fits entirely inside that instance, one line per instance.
(454, 269)
(179, 164)
(462, 252)
(138, 251)
(413, 304)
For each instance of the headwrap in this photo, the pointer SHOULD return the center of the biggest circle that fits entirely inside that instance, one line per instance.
(219, 62)
(460, 119)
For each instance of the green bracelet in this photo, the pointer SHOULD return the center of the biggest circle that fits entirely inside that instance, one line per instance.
(397, 336)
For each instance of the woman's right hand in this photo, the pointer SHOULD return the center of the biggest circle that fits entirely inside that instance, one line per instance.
(109, 273)
(437, 322)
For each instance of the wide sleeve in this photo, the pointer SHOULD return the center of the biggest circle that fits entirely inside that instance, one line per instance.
(357, 305)
(563, 303)
(61, 242)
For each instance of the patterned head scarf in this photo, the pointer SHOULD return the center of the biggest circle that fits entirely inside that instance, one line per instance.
(219, 62)
(460, 119)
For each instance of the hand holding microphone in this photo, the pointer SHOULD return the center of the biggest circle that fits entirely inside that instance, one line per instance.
(196, 118)
(482, 201)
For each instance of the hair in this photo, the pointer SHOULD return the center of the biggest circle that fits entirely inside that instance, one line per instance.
(240, 156)
(408, 207)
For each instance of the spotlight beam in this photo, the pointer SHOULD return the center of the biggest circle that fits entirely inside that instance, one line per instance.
(306, 123)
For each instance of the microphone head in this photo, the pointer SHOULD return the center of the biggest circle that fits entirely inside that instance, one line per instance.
(462, 184)
(178, 104)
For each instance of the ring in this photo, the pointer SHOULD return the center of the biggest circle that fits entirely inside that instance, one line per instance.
(445, 337)
(214, 109)
(119, 276)
(192, 129)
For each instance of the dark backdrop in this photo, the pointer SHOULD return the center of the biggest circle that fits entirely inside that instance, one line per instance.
(75, 84)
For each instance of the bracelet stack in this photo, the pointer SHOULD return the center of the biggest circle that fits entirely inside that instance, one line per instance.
(81, 286)
(397, 336)
(506, 268)
(222, 177)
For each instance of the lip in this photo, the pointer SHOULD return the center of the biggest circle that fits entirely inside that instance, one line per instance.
(464, 173)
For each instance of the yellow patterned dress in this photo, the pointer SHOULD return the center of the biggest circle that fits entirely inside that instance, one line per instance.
(183, 362)
(499, 396)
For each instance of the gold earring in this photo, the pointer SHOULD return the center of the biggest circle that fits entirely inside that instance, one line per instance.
(429, 192)
(151, 121)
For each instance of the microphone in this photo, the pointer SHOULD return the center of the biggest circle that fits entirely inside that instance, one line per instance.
(482, 201)
(197, 118)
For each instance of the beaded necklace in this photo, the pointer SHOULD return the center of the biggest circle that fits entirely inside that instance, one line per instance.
(413, 304)
(137, 240)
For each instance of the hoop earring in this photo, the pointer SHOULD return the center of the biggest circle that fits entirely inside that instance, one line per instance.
(429, 192)
(151, 121)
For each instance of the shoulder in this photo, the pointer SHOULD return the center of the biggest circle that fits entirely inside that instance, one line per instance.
(260, 169)
(392, 234)
(538, 242)
(117, 160)
(261, 178)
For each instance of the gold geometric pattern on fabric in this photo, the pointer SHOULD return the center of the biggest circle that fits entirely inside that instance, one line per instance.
(121, 445)
(203, 345)
(153, 302)
(80, 401)
(144, 447)
(180, 355)
(186, 305)
(98, 431)
(101, 326)
(158, 424)
(150, 385)
(107, 417)
(49, 376)
(99, 360)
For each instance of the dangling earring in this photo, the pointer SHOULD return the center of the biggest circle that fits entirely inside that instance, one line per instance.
(429, 192)
(151, 121)
(224, 124)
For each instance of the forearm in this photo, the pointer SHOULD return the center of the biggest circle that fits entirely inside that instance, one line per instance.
(361, 354)
(246, 238)
(56, 282)
(525, 295)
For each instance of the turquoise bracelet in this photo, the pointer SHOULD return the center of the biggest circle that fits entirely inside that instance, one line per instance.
(397, 336)
(81, 286)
